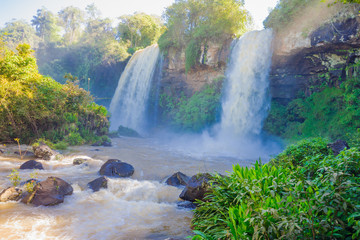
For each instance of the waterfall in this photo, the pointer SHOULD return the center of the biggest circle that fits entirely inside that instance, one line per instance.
(246, 95)
(129, 104)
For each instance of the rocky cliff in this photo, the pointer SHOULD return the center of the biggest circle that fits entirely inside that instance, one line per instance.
(211, 65)
(306, 58)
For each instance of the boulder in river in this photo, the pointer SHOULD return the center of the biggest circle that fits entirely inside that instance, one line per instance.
(43, 151)
(10, 194)
(116, 168)
(32, 164)
(338, 146)
(50, 192)
(196, 188)
(78, 161)
(25, 154)
(98, 183)
(178, 179)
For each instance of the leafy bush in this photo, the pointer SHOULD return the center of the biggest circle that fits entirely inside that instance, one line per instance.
(195, 113)
(33, 106)
(317, 199)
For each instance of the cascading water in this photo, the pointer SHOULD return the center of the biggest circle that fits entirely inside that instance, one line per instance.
(129, 104)
(246, 96)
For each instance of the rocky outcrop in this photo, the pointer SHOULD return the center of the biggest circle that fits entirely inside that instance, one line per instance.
(50, 192)
(10, 194)
(177, 179)
(116, 168)
(303, 62)
(175, 81)
(338, 146)
(32, 164)
(196, 188)
(98, 183)
(43, 151)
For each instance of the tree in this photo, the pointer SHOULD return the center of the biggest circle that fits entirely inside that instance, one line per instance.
(45, 25)
(71, 18)
(140, 29)
(17, 32)
(192, 23)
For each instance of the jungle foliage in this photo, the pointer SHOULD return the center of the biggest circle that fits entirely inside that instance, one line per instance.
(304, 193)
(195, 113)
(84, 44)
(331, 112)
(190, 24)
(34, 106)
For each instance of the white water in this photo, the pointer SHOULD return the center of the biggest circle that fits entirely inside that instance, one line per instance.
(129, 104)
(140, 207)
(246, 96)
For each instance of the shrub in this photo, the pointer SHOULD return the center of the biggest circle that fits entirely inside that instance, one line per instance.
(316, 199)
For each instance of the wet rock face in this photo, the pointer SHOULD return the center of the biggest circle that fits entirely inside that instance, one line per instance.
(178, 179)
(338, 146)
(44, 152)
(334, 46)
(116, 168)
(78, 161)
(50, 192)
(32, 164)
(10, 194)
(98, 183)
(196, 188)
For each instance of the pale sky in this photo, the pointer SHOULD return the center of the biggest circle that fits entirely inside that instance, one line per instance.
(26, 9)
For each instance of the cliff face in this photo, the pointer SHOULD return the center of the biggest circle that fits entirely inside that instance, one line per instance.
(211, 65)
(302, 62)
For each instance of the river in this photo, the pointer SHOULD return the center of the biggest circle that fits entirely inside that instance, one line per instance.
(140, 207)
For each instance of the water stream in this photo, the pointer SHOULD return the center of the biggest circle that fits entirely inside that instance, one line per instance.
(140, 207)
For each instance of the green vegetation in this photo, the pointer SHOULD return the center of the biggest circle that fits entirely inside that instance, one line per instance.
(84, 44)
(191, 24)
(331, 112)
(33, 106)
(284, 12)
(304, 193)
(193, 113)
(127, 132)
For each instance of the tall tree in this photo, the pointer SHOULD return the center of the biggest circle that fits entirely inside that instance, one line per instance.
(71, 18)
(139, 29)
(45, 25)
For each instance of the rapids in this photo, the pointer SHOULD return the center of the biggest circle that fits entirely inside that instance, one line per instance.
(140, 207)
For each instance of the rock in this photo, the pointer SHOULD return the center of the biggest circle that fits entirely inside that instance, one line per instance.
(116, 168)
(178, 179)
(50, 192)
(186, 205)
(32, 164)
(196, 188)
(102, 143)
(10, 194)
(338, 146)
(44, 152)
(127, 132)
(78, 161)
(30, 180)
(1, 151)
(98, 183)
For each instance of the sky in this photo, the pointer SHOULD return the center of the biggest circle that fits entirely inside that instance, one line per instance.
(26, 9)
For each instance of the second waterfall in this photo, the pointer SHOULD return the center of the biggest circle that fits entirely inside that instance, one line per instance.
(130, 102)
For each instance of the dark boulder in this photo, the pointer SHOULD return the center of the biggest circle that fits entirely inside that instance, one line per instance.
(116, 168)
(1, 151)
(127, 132)
(186, 205)
(43, 151)
(10, 194)
(50, 192)
(98, 183)
(32, 164)
(338, 146)
(78, 161)
(178, 179)
(196, 188)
